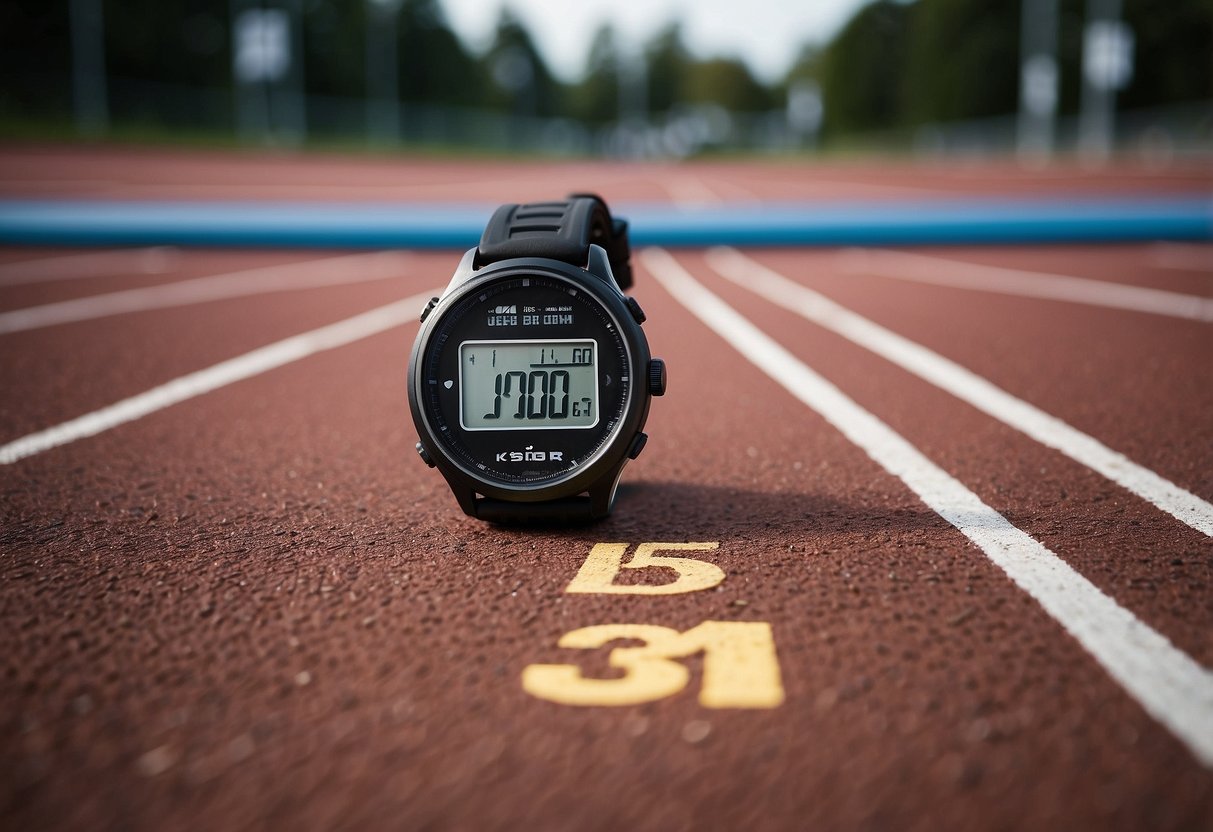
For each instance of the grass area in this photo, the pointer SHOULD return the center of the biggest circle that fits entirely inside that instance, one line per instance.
(59, 131)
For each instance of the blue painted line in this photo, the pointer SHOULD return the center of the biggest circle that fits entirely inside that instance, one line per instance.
(447, 226)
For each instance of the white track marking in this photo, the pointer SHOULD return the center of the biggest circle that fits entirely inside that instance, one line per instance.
(819, 187)
(922, 268)
(1166, 682)
(1184, 257)
(687, 191)
(219, 375)
(965, 385)
(388, 187)
(284, 277)
(157, 260)
(736, 194)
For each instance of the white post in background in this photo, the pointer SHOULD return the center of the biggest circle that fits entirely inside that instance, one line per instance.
(632, 104)
(1038, 80)
(1107, 65)
(261, 58)
(633, 74)
(804, 113)
(295, 98)
(382, 84)
(89, 95)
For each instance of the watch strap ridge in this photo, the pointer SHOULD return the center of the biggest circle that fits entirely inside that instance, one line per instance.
(561, 230)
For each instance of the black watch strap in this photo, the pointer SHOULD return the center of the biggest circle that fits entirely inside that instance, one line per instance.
(561, 231)
(565, 511)
(581, 508)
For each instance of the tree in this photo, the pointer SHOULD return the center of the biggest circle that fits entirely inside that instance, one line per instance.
(727, 82)
(668, 66)
(334, 48)
(1173, 45)
(35, 58)
(596, 98)
(521, 80)
(963, 60)
(863, 70)
(435, 67)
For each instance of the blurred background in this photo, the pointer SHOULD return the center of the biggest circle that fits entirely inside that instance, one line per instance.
(658, 79)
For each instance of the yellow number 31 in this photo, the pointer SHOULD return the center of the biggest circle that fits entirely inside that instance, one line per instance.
(740, 669)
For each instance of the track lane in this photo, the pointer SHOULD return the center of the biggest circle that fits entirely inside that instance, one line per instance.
(1125, 378)
(935, 270)
(186, 264)
(156, 172)
(168, 583)
(967, 386)
(347, 270)
(59, 373)
(1111, 537)
(1173, 688)
(1125, 264)
(295, 531)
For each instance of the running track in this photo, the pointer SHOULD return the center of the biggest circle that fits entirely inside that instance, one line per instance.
(960, 499)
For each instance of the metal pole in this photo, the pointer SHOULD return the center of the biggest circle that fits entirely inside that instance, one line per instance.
(89, 94)
(632, 78)
(1038, 79)
(1104, 70)
(296, 99)
(382, 86)
(252, 106)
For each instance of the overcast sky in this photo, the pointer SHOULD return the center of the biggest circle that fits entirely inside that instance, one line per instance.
(767, 34)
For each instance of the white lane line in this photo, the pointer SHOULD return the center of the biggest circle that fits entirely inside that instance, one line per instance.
(922, 268)
(219, 375)
(819, 187)
(284, 277)
(687, 191)
(1165, 681)
(965, 385)
(1183, 257)
(157, 260)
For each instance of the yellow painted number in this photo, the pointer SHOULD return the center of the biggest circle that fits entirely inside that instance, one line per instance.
(598, 573)
(740, 668)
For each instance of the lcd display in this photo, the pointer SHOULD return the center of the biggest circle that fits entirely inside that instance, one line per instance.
(516, 385)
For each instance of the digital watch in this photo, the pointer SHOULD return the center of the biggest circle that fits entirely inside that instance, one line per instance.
(530, 379)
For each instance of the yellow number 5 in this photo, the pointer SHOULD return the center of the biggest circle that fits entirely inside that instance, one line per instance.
(740, 668)
(597, 574)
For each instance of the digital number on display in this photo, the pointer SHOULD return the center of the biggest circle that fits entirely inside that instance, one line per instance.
(513, 385)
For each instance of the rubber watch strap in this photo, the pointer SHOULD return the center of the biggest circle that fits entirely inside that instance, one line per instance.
(567, 510)
(561, 231)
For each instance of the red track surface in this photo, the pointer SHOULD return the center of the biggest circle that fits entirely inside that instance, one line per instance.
(258, 607)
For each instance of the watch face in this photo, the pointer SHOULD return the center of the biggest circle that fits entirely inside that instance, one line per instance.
(525, 380)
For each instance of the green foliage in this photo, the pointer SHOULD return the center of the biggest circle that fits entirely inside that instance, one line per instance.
(726, 82)
(34, 58)
(168, 41)
(863, 70)
(520, 80)
(334, 48)
(434, 65)
(963, 60)
(1173, 59)
(668, 66)
(896, 64)
(595, 100)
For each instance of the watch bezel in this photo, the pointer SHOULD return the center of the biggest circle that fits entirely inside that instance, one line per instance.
(609, 459)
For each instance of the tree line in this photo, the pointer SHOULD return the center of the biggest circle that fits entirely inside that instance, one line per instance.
(894, 64)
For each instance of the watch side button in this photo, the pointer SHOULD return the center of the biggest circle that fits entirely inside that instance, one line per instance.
(635, 309)
(429, 307)
(425, 455)
(638, 445)
(657, 377)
